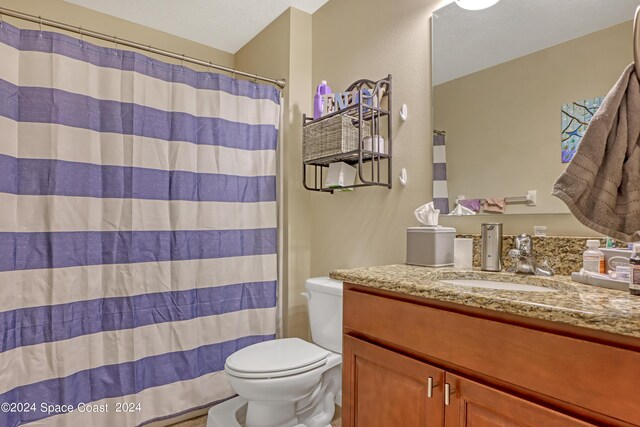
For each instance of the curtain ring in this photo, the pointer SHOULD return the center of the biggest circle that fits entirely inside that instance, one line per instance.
(40, 24)
(115, 42)
(255, 80)
(81, 35)
(1, 20)
(182, 62)
(233, 77)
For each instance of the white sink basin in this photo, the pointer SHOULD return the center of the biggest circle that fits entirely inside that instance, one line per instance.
(503, 286)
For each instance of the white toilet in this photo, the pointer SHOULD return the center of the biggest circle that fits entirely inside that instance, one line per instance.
(289, 382)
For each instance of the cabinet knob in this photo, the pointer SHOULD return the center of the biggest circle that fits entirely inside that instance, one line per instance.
(430, 386)
(448, 391)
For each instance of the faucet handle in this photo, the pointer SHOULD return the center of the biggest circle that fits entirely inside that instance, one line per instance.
(514, 253)
(544, 269)
(524, 244)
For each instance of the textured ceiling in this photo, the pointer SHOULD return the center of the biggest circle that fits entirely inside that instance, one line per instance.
(223, 24)
(468, 41)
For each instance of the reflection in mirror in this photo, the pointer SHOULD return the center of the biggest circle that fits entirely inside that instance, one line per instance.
(515, 86)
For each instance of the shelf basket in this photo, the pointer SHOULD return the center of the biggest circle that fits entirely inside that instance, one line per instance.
(331, 136)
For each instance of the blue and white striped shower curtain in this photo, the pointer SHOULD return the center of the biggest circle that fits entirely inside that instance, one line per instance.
(137, 231)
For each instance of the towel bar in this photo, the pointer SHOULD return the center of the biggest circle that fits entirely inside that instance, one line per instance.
(530, 199)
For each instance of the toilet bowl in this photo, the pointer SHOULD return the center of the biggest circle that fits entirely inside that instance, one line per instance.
(289, 382)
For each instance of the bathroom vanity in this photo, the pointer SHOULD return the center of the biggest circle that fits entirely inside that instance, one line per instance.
(421, 352)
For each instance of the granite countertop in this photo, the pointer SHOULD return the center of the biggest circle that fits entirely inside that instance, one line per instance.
(572, 303)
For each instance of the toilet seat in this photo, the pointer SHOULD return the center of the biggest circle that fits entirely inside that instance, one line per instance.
(276, 359)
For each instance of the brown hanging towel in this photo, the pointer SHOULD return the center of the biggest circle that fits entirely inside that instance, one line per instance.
(601, 185)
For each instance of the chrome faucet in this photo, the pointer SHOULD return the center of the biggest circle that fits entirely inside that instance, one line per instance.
(523, 259)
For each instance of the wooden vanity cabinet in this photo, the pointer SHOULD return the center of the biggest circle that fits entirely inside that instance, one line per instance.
(386, 388)
(402, 354)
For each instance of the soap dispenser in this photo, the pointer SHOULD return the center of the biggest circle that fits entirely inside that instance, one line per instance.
(491, 234)
(318, 102)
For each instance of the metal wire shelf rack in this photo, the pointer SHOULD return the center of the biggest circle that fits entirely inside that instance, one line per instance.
(371, 117)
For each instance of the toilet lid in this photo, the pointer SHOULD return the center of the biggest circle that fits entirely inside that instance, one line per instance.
(277, 358)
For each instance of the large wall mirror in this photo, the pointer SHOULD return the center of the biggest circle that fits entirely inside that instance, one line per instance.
(516, 84)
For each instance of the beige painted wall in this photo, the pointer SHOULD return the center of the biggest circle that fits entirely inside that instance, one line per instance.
(283, 49)
(503, 123)
(352, 40)
(72, 14)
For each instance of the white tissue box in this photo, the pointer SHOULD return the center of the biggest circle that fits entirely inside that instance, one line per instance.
(375, 143)
(340, 175)
(430, 246)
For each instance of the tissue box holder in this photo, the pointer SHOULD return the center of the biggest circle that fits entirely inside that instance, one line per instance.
(430, 246)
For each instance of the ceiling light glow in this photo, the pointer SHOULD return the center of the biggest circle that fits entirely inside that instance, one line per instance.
(476, 4)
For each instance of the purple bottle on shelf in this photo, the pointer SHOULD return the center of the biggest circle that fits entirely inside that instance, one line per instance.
(323, 89)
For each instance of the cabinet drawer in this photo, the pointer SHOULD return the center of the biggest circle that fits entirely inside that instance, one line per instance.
(596, 377)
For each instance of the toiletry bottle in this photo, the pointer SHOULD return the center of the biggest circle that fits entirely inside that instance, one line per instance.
(593, 257)
(323, 89)
(634, 270)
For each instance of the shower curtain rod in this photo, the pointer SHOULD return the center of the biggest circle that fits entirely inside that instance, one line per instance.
(114, 39)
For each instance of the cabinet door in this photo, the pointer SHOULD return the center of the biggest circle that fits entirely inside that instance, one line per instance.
(382, 388)
(475, 405)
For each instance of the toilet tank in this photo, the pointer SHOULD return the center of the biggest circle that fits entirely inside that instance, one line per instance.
(325, 312)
